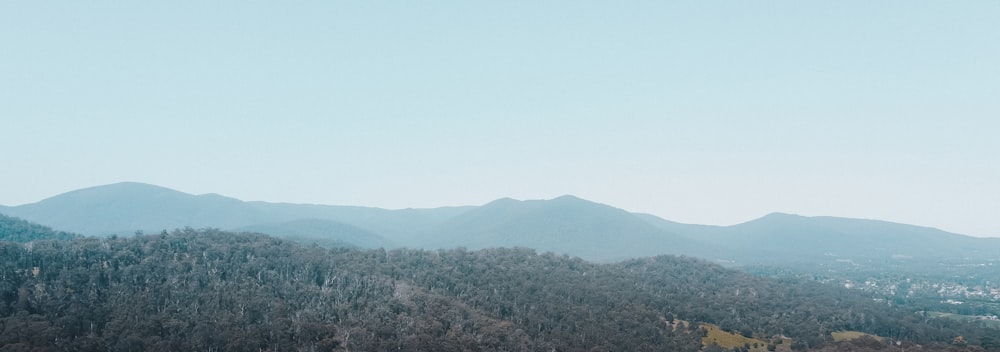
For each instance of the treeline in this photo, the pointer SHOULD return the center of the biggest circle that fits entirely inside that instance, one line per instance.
(18, 230)
(210, 290)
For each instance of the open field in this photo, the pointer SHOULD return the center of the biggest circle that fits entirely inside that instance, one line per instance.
(851, 335)
(729, 340)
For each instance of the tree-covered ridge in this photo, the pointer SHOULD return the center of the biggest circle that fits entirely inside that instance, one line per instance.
(208, 290)
(211, 290)
(18, 230)
(326, 233)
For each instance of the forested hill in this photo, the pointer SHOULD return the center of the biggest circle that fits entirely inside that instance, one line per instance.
(210, 290)
(326, 233)
(17, 230)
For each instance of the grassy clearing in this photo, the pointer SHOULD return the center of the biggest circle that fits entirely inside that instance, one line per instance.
(851, 335)
(728, 340)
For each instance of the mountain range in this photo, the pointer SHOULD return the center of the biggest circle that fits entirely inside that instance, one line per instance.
(565, 225)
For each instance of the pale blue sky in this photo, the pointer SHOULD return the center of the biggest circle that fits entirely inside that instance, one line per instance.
(710, 112)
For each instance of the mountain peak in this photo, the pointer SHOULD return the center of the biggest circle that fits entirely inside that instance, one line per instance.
(568, 197)
(113, 191)
(127, 185)
(777, 220)
(128, 206)
(505, 200)
(566, 224)
(780, 215)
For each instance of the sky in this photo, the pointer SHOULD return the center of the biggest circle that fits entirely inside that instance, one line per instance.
(709, 112)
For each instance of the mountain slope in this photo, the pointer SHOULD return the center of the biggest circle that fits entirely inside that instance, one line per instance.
(398, 226)
(17, 230)
(778, 237)
(126, 207)
(566, 224)
(327, 233)
(857, 237)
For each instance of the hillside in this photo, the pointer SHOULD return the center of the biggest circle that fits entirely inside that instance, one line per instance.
(401, 226)
(16, 230)
(325, 233)
(563, 225)
(847, 238)
(198, 290)
(784, 238)
(124, 208)
(127, 207)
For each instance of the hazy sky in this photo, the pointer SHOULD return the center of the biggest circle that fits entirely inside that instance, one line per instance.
(712, 112)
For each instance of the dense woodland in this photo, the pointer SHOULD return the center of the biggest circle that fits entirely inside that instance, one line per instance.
(17, 230)
(213, 290)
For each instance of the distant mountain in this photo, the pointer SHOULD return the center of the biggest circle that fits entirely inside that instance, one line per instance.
(399, 226)
(16, 230)
(566, 225)
(787, 238)
(123, 208)
(325, 233)
(844, 237)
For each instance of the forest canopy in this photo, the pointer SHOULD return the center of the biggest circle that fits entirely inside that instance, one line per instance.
(17, 230)
(213, 290)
